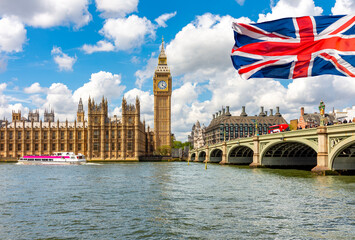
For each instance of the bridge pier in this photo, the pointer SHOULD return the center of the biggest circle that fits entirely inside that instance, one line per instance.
(207, 159)
(224, 154)
(256, 156)
(322, 155)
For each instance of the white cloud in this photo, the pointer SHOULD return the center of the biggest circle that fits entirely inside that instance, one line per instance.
(128, 33)
(12, 35)
(64, 101)
(116, 8)
(135, 59)
(65, 63)
(59, 98)
(147, 72)
(3, 63)
(37, 101)
(343, 7)
(101, 84)
(161, 20)
(240, 2)
(291, 8)
(206, 43)
(47, 13)
(5, 107)
(34, 88)
(146, 102)
(101, 46)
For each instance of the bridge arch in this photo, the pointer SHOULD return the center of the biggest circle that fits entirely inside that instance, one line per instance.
(201, 156)
(240, 155)
(343, 155)
(192, 157)
(295, 154)
(216, 155)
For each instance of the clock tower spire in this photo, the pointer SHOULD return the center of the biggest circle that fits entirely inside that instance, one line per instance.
(162, 85)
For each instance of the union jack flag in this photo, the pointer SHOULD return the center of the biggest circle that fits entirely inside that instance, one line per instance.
(295, 47)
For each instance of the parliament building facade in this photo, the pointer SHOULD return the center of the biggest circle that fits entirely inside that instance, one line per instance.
(99, 137)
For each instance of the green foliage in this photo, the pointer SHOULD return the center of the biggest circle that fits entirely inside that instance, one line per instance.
(164, 150)
(178, 144)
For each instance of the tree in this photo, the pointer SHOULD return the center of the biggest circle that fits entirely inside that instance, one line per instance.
(164, 150)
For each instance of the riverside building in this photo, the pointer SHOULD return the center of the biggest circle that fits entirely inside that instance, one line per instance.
(99, 137)
(224, 126)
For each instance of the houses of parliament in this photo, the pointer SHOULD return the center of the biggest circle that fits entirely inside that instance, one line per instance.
(97, 136)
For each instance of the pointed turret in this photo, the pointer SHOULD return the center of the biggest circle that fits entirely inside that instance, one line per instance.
(162, 55)
(80, 113)
(80, 106)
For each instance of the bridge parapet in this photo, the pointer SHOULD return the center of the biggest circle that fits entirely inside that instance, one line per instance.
(326, 141)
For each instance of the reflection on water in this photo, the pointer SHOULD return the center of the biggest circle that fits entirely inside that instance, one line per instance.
(173, 201)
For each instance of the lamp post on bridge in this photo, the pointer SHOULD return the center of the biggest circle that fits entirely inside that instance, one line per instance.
(321, 111)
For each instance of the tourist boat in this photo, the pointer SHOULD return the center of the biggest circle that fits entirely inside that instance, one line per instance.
(58, 158)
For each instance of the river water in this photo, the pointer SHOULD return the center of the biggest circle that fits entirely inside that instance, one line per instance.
(172, 200)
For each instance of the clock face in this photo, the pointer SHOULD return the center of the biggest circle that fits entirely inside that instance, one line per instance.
(162, 85)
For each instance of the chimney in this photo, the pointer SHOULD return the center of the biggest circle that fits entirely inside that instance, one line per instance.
(213, 116)
(228, 113)
(243, 114)
(220, 112)
(302, 111)
(262, 114)
(271, 112)
(265, 113)
(216, 114)
(224, 111)
(278, 112)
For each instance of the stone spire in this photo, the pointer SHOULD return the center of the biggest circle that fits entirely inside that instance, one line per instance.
(162, 55)
(80, 106)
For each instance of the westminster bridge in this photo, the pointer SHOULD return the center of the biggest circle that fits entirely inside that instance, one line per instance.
(320, 149)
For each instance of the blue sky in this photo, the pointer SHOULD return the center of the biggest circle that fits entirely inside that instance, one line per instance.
(52, 52)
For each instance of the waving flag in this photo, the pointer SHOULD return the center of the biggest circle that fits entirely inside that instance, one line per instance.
(295, 47)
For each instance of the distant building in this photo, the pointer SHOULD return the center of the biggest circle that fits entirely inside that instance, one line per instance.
(310, 120)
(224, 126)
(48, 116)
(33, 116)
(347, 114)
(198, 135)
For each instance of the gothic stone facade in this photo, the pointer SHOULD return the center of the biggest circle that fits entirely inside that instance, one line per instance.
(197, 138)
(100, 138)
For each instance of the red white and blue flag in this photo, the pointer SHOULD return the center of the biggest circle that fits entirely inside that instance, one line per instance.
(295, 47)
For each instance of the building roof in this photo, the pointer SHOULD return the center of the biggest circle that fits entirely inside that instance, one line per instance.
(268, 120)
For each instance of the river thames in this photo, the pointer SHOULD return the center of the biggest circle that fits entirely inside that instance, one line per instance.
(172, 200)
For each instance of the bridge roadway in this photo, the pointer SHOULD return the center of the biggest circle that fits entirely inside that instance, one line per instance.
(322, 149)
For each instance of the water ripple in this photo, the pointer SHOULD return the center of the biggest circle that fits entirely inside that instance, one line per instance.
(173, 201)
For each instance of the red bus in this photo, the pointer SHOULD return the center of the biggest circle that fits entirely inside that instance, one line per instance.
(278, 128)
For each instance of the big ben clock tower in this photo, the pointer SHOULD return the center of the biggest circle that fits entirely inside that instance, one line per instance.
(162, 85)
